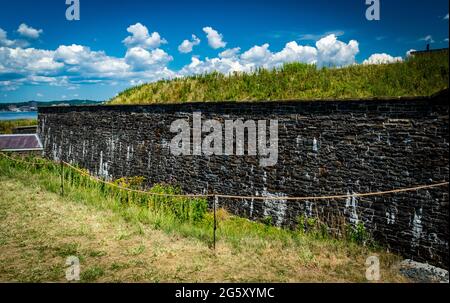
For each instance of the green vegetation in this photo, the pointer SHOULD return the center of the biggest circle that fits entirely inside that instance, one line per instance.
(122, 236)
(6, 127)
(417, 76)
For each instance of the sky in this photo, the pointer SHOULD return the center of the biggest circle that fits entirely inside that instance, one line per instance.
(119, 44)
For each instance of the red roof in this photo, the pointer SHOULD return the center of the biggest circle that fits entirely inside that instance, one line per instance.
(20, 142)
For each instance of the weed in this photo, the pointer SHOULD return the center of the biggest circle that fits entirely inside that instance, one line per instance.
(357, 233)
(91, 274)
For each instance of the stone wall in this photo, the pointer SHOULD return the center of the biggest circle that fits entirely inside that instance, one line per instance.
(325, 148)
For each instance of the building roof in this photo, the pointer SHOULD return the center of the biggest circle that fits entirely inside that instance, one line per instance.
(423, 52)
(31, 129)
(16, 143)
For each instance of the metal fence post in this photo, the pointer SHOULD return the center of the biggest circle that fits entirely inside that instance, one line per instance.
(215, 222)
(62, 177)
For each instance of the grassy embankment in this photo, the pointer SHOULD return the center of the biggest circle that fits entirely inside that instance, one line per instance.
(120, 237)
(417, 76)
(6, 127)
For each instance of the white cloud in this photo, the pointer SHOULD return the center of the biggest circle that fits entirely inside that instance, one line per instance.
(230, 53)
(221, 65)
(75, 65)
(186, 46)
(329, 51)
(427, 38)
(140, 59)
(8, 86)
(332, 52)
(29, 32)
(4, 41)
(81, 59)
(382, 59)
(257, 55)
(293, 52)
(215, 39)
(446, 17)
(29, 61)
(39, 95)
(141, 38)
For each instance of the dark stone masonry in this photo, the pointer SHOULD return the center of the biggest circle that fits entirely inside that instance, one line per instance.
(325, 148)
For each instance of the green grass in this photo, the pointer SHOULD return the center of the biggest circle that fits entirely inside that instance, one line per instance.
(417, 76)
(6, 127)
(117, 237)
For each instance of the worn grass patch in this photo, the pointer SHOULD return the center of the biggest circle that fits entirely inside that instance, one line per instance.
(39, 229)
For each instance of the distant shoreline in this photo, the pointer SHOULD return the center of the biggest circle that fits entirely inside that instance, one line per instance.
(11, 116)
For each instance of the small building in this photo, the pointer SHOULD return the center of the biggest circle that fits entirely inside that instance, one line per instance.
(21, 143)
(429, 51)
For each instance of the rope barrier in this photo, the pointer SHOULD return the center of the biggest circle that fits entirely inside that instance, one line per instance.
(135, 190)
(380, 193)
(235, 197)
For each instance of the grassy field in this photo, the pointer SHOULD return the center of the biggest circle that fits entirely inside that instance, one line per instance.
(39, 229)
(6, 127)
(417, 76)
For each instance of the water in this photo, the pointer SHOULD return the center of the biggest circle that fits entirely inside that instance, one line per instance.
(16, 116)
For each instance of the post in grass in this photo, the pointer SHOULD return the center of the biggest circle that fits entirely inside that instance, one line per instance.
(215, 222)
(62, 176)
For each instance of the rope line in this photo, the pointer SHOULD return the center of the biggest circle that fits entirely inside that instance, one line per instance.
(134, 190)
(236, 197)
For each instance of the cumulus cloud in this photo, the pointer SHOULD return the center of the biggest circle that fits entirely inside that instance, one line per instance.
(230, 53)
(140, 59)
(144, 61)
(293, 52)
(332, 52)
(140, 37)
(446, 17)
(221, 65)
(29, 32)
(328, 51)
(81, 59)
(74, 64)
(20, 61)
(186, 46)
(215, 39)
(382, 59)
(4, 41)
(257, 55)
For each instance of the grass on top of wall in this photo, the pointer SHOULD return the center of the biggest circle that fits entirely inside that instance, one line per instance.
(6, 127)
(417, 76)
(131, 241)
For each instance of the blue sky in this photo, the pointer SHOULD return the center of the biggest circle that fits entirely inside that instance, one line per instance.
(117, 44)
